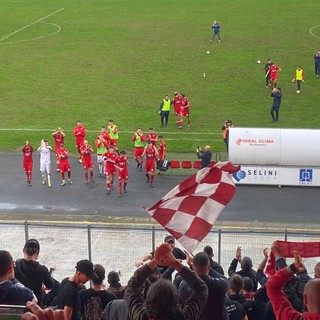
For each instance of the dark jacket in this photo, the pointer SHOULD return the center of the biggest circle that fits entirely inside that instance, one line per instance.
(13, 292)
(205, 158)
(33, 275)
(192, 308)
(277, 96)
(217, 288)
(248, 304)
(252, 274)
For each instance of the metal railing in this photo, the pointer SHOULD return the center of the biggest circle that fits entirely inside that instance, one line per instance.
(118, 247)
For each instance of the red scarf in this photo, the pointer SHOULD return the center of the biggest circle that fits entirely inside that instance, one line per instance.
(305, 250)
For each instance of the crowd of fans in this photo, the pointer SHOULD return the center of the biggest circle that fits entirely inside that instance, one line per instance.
(164, 287)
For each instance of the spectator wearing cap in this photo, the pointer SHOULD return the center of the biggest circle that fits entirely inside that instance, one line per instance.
(178, 254)
(12, 291)
(115, 286)
(68, 293)
(31, 273)
(217, 287)
(246, 268)
(95, 299)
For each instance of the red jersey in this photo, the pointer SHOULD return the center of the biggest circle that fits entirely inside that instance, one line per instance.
(27, 153)
(122, 162)
(110, 159)
(152, 137)
(58, 140)
(151, 154)
(273, 70)
(63, 154)
(162, 150)
(86, 153)
(177, 104)
(79, 131)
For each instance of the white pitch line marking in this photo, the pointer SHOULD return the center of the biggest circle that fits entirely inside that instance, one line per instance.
(124, 132)
(310, 31)
(30, 24)
(36, 38)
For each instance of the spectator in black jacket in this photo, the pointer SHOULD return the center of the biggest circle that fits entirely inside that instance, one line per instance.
(213, 264)
(205, 156)
(246, 268)
(31, 273)
(217, 287)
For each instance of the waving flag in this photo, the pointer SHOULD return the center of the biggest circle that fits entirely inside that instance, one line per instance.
(190, 209)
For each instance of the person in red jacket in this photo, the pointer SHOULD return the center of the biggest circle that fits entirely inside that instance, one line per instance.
(79, 132)
(110, 160)
(280, 304)
(122, 163)
(27, 151)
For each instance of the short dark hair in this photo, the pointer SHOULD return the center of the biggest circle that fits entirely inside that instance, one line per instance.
(122, 152)
(247, 284)
(162, 300)
(236, 283)
(110, 120)
(208, 250)
(246, 264)
(101, 273)
(6, 261)
(161, 136)
(113, 278)
(201, 259)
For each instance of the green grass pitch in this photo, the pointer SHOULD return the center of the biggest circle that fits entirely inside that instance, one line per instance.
(93, 60)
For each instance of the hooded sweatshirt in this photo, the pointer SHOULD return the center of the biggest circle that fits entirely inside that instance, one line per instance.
(32, 274)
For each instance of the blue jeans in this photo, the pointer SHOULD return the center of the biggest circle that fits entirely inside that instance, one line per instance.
(216, 33)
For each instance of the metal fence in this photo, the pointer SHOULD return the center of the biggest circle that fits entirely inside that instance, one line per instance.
(118, 247)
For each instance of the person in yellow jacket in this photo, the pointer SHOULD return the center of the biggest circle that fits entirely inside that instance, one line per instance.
(298, 77)
(164, 110)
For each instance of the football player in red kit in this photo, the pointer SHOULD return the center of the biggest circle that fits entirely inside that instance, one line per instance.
(122, 163)
(86, 151)
(273, 74)
(151, 154)
(177, 106)
(152, 136)
(185, 110)
(27, 161)
(110, 159)
(63, 154)
(79, 132)
(161, 150)
(58, 137)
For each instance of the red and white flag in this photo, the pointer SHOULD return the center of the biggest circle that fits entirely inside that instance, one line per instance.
(190, 209)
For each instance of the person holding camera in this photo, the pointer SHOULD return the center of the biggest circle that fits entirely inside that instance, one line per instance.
(277, 96)
(225, 135)
(205, 156)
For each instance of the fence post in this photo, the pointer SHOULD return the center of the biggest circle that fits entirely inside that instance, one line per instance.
(285, 235)
(153, 239)
(219, 246)
(26, 231)
(89, 242)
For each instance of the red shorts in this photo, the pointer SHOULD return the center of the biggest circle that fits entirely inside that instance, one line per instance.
(273, 78)
(176, 110)
(123, 175)
(110, 171)
(185, 112)
(138, 151)
(87, 164)
(64, 167)
(79, 141)
(27, 166)
(150, 166)
(113, 142)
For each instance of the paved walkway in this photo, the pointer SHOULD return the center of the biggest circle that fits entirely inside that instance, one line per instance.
(252, 205)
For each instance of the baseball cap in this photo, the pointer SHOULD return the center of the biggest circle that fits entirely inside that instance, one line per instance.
(86, 267)
(169, 238)
(32, 243)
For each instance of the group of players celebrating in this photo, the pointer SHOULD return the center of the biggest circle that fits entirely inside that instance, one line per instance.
(109, 158)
